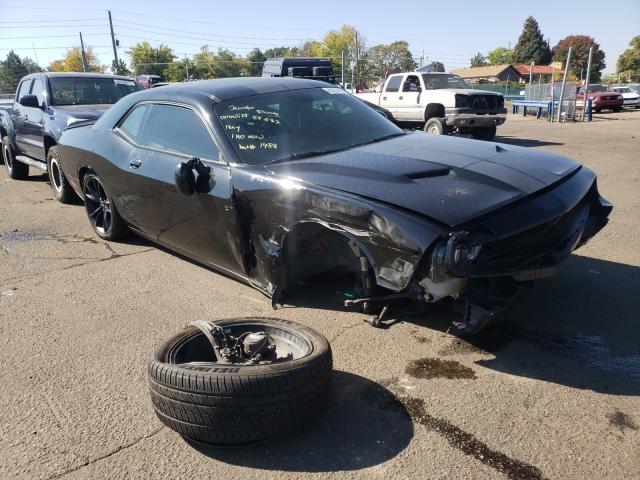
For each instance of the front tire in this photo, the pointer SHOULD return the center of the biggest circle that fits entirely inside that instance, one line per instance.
(436, 126)
(15, 169)
(101, 211)
(485, 133)
(59, 184)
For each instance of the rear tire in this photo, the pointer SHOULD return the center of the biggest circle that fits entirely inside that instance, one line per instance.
(59, 184)
(485, 133)
(436, 126)
(16, 169)
(239, 404)
(101, 211)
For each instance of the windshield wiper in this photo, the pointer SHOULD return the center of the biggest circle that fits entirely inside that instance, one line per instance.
(298, 156)
(385, 137)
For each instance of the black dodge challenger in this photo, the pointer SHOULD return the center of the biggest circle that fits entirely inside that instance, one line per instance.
(274, 180)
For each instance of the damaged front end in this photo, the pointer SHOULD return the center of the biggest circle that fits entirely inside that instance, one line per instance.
(483, 273)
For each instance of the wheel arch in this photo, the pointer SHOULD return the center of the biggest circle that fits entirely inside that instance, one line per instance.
(434, 110)
(334, 246)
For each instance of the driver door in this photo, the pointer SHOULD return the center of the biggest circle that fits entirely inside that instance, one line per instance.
(409, 108)
(203, 225)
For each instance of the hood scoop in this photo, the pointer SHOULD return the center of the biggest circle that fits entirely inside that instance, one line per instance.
(432, 172)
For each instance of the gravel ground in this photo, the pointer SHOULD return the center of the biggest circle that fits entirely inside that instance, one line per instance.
(553, 392)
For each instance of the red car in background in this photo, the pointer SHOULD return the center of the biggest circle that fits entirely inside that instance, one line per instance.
(147, 81)
(601, 97)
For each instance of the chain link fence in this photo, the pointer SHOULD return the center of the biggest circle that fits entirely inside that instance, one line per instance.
(6, 100)
(547, 92)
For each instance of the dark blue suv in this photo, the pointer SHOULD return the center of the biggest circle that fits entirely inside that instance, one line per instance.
(45, 104)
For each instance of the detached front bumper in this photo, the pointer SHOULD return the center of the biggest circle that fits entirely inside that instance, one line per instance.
(471, 118)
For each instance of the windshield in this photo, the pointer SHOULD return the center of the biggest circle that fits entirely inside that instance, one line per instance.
(434, 81)
(89, 91)
(598, 88)
(622, 90)
(293, 124)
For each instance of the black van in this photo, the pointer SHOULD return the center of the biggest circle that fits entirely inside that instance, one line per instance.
(299, 67)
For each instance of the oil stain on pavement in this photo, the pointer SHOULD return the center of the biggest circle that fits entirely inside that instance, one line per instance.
(457, 438)
(436, 368)
(622, 421)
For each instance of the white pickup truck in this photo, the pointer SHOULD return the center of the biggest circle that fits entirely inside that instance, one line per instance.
(442, 102)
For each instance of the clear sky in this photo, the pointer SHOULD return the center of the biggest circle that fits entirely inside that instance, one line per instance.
(447, 31)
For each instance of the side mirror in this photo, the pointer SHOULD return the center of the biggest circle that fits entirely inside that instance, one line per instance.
(185, 179)
(29, 101)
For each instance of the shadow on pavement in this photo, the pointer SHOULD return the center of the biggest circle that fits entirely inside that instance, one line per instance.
(578, 329)
(524, 142)
(357, 431)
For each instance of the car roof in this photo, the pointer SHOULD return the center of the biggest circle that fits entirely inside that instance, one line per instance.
(225, 89)
(77, 74)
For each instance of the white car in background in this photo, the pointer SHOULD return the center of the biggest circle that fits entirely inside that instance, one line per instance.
(630, 97)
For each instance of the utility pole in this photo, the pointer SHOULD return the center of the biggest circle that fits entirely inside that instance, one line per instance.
(113, 42)
(85, 66)
(342, 68)
(33, 44)
(186, 65)
(357, 58)
(531, 73)
(564, 82)
(586, 84)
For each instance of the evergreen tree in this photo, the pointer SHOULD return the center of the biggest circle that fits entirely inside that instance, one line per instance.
(531, 46)
(11, 71)
(437, 66)
(478, 60)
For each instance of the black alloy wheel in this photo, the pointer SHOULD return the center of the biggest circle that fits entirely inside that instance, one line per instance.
(102, 213)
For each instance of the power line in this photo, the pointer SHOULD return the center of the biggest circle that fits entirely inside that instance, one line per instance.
(197, 33)
(53, 36)
(49, 48)
(53, 21)
(254, 44)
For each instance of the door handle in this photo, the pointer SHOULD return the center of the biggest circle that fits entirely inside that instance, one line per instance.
(384, 98)
(400, 98)
(135, 163)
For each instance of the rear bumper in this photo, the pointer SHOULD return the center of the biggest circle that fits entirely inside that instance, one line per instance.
(470, 118)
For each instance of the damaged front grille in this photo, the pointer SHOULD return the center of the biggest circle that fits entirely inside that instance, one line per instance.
(540, 246)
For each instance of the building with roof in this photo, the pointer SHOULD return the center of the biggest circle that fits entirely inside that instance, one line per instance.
(489, 74)
(539, 73)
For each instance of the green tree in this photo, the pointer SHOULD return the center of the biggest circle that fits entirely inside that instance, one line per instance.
(256, 61)
(382, 60)
(337, 41)
(531, 46)
(499, 56)
(72, 61)
(12, 69)
(146, 59)
(437, 66)
(628, 65)
(478, 60)
(580, 55)
(281, 52)
(224, 63)
(178, 71)
(120, 68)
(312, 48)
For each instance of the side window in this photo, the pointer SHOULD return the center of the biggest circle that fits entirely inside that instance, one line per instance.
(411, 84)
(179, 130)
(23, 89)
(132, 125)
(394, 83)
(37, 89)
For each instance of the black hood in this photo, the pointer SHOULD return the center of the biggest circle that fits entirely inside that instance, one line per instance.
(451, 180)
(87, 112)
